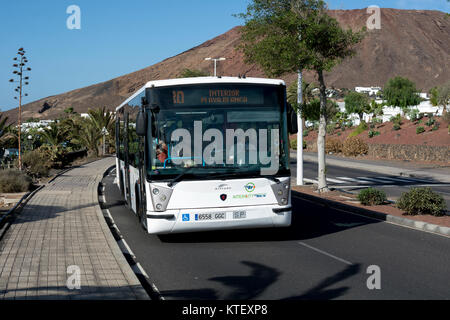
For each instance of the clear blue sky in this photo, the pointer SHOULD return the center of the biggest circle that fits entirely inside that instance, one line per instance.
(118, 37)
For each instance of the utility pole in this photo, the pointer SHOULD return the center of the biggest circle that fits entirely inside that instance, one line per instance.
(300, 129)
(215, 63)
(20, 70)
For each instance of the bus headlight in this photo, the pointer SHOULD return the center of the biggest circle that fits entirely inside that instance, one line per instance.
(160, 197)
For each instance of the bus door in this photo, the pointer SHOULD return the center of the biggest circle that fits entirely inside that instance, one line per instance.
(127, 163)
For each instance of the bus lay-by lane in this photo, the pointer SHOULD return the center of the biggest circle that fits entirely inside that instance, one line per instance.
(324, 255)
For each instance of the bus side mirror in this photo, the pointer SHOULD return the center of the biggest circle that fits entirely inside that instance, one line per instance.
(292, 120)
(141, 124)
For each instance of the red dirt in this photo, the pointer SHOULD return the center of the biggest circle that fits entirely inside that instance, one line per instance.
(406, 135)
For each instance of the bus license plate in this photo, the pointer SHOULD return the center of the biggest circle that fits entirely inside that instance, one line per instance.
(210, 216)
(239, 215)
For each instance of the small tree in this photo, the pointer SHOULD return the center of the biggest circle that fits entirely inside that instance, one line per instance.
(401, 92)
(358, 103)
(285, 36)
(443, 96)
(307, 92)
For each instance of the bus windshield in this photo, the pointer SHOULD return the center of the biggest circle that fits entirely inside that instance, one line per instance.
(201, 130)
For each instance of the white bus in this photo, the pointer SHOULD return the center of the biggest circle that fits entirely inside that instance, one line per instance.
(215, 184)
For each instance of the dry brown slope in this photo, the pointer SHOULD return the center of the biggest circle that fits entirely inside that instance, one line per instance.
(411, 43)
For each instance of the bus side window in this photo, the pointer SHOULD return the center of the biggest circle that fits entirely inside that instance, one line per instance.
(121, 141)
(133, 141)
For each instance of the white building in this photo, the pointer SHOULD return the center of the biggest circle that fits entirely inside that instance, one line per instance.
(41, 124)
(425, 107)
(371, 91)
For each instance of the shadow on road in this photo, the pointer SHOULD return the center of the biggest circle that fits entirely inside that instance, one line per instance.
(320, 291)
(261, 277)
(242, 287)
(309, 220)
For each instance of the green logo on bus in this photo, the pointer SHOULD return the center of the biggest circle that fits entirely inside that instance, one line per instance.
(250, 187)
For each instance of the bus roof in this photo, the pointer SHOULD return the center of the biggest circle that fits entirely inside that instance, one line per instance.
(203, 80)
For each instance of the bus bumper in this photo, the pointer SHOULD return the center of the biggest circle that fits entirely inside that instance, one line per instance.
(191, 220)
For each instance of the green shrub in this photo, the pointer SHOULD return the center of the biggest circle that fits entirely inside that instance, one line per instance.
(396, 119)
(422, 201)
(359, 129)
(12, 180)
(293, 143)
(333, 145)
(354, 146)
(446, 117)
(420, 130)
(330, 128)
(373, 133)
(372, 197)
(36, 163)
(339, 134)
(435, 127)
(396, 127)
(56, 154)
(414, 115)
(430, 122)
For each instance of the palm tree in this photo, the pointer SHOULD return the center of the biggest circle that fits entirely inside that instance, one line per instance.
(102, 118)
(6, 131)
(307, 93)
(53, 135)
(90, 136)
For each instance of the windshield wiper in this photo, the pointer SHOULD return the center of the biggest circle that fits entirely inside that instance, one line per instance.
(179, 177)
(218, 175)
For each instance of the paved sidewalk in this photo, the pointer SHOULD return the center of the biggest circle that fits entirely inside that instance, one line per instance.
(62, 226)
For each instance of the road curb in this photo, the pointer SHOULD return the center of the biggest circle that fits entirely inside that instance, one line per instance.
(133, 280)
(417, 225)
(150, 289)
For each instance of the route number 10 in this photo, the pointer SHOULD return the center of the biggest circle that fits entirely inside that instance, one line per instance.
(178, 97)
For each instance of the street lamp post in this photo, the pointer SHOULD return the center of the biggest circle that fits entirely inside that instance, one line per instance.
(300, 130)
(20, 70)
(215, 63)
(104, 133)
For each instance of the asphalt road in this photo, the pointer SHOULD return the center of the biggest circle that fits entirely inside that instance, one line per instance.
(353, 180)
(325, 254)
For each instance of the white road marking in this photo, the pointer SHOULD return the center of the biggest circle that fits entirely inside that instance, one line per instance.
(336, 180)
(365, 179)
(394, 185)
(326, 253)
(348, 179)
